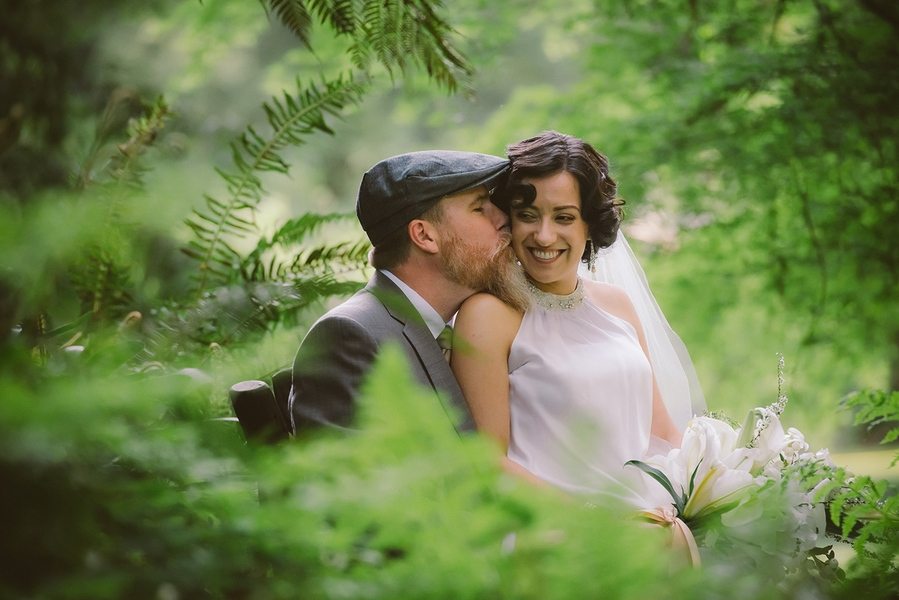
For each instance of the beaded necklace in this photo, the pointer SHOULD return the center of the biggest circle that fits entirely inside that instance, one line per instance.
(556, 302)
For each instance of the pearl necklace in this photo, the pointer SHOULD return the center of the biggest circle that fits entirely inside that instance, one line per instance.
(556, 302)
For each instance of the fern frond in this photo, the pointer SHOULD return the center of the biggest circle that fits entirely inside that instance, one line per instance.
(267, 262)
(294, 15)
(327, 257)
(339, 14)
(125, 167)
(292, 118)
(103, 279)
(231, 314)
(102, 284)
(397, 32)
(297, 230)
(276, 302)
(264, 262)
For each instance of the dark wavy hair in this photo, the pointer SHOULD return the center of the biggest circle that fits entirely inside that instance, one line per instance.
(551, 152)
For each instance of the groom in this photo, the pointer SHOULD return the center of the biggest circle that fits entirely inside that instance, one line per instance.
(437, 239)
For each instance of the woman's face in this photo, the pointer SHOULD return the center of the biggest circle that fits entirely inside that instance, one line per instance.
(549, 236)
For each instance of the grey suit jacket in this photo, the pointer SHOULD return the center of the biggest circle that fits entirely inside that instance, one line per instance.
(341, 346)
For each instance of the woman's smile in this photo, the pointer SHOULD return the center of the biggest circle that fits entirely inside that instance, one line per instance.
(545, 255)
(549, 234)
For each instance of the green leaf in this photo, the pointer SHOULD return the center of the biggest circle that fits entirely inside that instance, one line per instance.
(291, 122)
(678, 500)
(693, 477)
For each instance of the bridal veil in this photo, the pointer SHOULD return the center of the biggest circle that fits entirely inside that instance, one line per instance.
(671, 363)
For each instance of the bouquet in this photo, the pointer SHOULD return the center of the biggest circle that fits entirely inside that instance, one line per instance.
(731, 476)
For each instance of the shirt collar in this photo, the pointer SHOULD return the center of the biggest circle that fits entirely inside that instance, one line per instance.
(432, 318)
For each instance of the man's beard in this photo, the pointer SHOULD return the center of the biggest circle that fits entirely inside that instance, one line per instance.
(494, 271)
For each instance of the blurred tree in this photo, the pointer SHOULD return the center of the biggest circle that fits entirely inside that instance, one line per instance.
(49, 81)
(233, 292)
(778, 121)
(393, 35)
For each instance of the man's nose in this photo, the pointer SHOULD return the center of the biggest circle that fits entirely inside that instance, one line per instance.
(499, 219)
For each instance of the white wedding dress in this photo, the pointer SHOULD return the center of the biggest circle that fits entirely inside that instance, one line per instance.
(580, 396)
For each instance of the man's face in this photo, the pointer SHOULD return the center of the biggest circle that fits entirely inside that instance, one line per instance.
(475, 246)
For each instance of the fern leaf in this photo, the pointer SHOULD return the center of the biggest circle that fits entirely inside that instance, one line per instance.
(103, 280)
(329, 258)
(343, 16)
(292, 119)
(398, 32)
(297, 230)
(294, 16)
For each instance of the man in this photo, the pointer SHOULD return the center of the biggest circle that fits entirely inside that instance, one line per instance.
(437, 239)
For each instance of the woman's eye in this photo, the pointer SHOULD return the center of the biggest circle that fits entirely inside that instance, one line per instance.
(566, 218)
(525, 217)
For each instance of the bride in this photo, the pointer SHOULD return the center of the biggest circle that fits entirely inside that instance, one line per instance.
(590, 375)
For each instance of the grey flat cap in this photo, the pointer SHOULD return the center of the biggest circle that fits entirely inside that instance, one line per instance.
(400, 188)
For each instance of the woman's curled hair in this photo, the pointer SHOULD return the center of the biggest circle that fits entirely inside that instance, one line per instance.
(551, 152)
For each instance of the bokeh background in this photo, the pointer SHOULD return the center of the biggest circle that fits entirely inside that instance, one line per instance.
(754, 143)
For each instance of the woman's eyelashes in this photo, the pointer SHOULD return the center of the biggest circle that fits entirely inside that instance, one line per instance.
(525, 216)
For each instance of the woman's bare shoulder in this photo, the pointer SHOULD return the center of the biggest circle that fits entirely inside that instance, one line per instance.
(487, 313)
(606, 293)
(488, 305)
(612, 299)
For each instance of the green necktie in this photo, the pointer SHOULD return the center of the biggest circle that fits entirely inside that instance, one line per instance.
(445, 341)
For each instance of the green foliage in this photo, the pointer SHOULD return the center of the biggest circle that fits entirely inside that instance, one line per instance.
(236, 314)
(233, 292)
(782, 123)
(265, 262)
(119, 482)
(103, 281)
(137, 493)
(393, 32)
(49, 83)
(866, 513)
(291, 119)
(875, 409)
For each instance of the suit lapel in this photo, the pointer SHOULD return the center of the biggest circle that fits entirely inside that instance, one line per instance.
(425, 346)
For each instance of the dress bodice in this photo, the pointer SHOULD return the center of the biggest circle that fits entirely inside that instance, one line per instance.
(580, 397)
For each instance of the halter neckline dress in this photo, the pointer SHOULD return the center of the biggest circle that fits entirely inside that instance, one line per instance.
(580, 398)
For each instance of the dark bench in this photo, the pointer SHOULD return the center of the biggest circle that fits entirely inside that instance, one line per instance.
(261, 408)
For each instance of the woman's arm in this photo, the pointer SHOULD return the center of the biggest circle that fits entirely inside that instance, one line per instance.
(482, 337)
(662, 425)
(616, 301)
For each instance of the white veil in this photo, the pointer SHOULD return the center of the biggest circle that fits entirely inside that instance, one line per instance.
(674, 372)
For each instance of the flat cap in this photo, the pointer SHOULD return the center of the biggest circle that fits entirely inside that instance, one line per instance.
(400, 188)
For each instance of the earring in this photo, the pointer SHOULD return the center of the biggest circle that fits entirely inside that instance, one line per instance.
(591, 258)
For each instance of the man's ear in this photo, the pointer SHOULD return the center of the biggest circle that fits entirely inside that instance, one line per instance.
(423, 235)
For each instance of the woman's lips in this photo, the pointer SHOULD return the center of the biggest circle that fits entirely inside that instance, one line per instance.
(545, 255)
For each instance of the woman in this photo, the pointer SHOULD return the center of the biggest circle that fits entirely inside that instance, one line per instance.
(566, 387)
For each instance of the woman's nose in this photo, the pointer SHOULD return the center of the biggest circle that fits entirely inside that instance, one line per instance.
(544, 234)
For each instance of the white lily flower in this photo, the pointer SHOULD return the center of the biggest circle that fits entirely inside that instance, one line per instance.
(769, 440)
(708, 469)
(795, 446)
(753, 478)
(719, 488)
